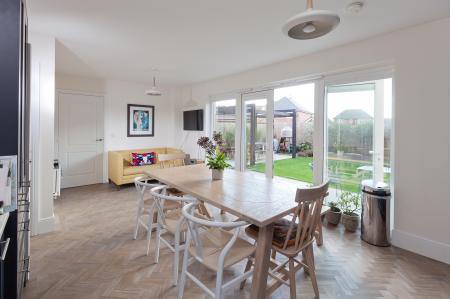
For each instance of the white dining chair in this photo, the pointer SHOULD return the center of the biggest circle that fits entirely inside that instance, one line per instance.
(146, 208)
(217, 246)
(170, 222)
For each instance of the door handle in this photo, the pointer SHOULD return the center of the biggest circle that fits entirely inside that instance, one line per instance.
(101, 139)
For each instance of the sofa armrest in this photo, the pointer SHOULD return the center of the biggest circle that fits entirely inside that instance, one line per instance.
(115, 167)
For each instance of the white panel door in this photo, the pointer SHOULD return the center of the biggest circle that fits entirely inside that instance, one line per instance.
(80, 139)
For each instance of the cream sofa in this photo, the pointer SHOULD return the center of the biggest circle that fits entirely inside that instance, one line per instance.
(120, 170)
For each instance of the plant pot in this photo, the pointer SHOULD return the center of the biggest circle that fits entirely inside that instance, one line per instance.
(351, 222)
(333, 217)
(217, 174)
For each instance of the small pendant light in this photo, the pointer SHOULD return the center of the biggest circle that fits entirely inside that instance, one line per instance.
(311, 23)
(153, 91)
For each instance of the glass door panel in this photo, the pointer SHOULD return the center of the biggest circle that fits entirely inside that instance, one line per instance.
(224, 121)
(356, 133)
(256, 129)
(293, 132)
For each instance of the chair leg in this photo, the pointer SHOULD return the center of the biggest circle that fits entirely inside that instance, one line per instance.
(292, 279)
(158, 240)
(319, 240)
(312, 272)
(247, 267)
(149, 234)
(176, 259)
(305, 261)
(136, 228)
(219, 278)
(274, 254)
(184, 267)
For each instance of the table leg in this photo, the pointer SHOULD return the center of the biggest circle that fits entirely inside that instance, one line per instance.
(262, 261)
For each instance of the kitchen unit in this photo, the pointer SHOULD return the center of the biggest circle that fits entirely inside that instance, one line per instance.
(14, 148)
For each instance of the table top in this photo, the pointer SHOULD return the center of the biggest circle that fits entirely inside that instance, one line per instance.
(249, 195)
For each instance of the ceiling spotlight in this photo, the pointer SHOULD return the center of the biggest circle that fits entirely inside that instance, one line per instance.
(355, 7)
(311, 23)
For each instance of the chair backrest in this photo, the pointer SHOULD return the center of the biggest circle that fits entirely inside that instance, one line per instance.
(172, 160)
(307, 215)
(194, 223)
(142, 186)
(160, 196)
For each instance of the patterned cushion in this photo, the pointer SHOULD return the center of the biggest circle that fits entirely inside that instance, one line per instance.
(139, 159)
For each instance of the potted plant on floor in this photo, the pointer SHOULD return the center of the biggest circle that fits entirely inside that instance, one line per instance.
(349, 203)
(215, 156)
(334, 214)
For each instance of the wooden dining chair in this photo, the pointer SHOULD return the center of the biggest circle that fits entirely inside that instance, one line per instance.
(217, 246)
(171, 160)
(294, 237)
(170, 222)
(146, 208)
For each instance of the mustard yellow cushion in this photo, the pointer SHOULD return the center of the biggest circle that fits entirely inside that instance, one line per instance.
(131, 170)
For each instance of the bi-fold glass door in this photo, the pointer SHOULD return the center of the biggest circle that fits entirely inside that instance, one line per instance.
(246, 124)
(358, 133)
(327, 129)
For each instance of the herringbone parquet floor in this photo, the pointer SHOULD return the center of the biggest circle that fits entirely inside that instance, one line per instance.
(92, 255)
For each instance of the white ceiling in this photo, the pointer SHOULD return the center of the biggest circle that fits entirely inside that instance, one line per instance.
(196, 40)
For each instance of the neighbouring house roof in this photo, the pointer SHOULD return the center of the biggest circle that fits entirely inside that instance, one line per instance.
(286, 103)
(350, 114)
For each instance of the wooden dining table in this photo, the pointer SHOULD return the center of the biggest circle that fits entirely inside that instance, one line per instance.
(251, 196)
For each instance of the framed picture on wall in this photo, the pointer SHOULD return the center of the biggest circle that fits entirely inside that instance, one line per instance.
(141, 120)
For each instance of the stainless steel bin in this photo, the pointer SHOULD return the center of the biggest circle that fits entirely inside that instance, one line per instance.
(375, 213)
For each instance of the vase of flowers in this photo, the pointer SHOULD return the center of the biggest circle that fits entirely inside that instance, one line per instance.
(215, 156)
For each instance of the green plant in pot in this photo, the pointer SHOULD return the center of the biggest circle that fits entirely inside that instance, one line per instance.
(349, 203)
(334, 214)
(216, 160)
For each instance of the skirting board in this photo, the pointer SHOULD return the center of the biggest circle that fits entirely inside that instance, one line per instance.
(429, 248)
(43, 226)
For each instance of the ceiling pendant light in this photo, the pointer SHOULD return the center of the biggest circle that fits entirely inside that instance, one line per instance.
(153, 91)
(311, 23)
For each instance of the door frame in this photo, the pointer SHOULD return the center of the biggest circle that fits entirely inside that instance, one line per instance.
(104, 165)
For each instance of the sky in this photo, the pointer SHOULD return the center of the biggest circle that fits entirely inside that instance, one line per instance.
(303, 96)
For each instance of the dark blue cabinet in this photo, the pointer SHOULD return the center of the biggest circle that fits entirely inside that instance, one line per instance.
(14, 129)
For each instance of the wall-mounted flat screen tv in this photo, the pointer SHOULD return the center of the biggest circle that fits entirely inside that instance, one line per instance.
(193, 120)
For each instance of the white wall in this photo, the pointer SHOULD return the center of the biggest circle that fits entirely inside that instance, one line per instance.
(117, 95)
(42, 126)
(76, 83)
(421, 57)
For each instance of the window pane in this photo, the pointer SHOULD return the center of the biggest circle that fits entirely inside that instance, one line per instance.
(225, 122)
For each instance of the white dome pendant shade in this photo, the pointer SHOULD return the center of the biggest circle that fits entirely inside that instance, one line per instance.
(153, 91)
(311, 23)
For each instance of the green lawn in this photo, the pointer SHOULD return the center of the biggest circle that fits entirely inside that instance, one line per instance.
(299, 169)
